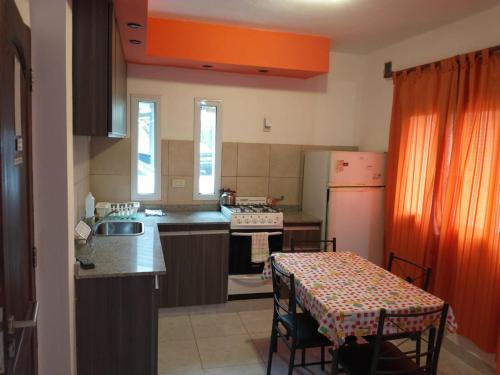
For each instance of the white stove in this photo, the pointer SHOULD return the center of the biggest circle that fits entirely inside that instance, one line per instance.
(253, 213)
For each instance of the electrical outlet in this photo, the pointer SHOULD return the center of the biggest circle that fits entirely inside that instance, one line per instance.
(267, 124)
(178, 183)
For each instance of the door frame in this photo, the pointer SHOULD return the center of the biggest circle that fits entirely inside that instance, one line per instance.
(18, 34)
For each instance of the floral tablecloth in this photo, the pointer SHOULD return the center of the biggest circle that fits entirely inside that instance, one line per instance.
(345, 292)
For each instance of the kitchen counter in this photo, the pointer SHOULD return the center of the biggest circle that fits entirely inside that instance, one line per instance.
(191, 217)
(298, 218)
(119, 256)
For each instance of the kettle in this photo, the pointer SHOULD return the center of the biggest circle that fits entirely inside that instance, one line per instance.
(227, 197)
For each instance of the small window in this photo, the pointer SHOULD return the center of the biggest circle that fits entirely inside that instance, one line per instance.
(207, 149)
(146, 153)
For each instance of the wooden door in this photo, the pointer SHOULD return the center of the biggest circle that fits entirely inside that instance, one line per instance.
(17, 276)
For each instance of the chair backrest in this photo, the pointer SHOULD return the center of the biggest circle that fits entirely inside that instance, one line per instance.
(313, 245)
(283, 292)
(425, 272)
(427, 360)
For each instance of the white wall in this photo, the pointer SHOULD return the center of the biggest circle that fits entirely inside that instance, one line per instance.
(319, 111)
(479, 31)
(53, 184)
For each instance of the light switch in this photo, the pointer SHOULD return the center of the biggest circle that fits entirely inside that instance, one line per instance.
(178, 183)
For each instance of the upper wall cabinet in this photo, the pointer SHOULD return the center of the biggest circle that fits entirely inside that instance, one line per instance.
(99, 71)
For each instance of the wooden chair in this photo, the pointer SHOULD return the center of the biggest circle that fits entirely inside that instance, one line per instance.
(426, 271)
(322, 245)
(384, 357)
(297, 330)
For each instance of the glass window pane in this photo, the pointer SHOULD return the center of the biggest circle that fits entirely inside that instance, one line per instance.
(146, 148)
(208, 131)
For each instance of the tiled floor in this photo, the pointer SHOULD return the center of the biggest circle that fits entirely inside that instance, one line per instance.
(233, 339)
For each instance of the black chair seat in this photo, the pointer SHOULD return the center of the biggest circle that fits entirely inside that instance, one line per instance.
(357, 359)
(307, 330)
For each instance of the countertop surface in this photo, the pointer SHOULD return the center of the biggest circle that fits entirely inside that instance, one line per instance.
(119, 256)
(299, 217)
(190, 217)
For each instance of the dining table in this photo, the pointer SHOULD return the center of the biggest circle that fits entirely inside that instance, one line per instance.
(345, 293)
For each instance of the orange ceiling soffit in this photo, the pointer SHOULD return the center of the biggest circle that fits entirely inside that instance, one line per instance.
(201, 45)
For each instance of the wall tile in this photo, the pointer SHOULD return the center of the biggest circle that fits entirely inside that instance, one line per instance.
(252, 186)
(110, 188)
(285, 161)
(228, 183)
(164, 157)
(81, 189)
(180, 158)
(182, 195)
(229, 159)
(81, 158)
(253, 159)
(110, 156)
(286, 186)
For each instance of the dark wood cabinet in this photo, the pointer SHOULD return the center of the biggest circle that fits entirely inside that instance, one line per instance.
(301, 232)
(117, 326)
(99, 71)
(197, 264)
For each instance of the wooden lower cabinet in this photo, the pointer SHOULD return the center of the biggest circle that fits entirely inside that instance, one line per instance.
(305, 232)
(117, 326)
(197, 259)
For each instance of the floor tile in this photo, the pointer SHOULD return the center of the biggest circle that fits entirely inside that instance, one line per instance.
(223, 346)
(259, 369)
(172, 328)
(451, 365)
(215, 325)
(177, 356)
(227, 351)
(257, 321)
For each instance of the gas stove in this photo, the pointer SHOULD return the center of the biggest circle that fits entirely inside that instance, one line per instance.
(253, 213)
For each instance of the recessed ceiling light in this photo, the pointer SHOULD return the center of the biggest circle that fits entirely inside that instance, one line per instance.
(134, 25)
(135, 41)
(263, 71)
(207, 66)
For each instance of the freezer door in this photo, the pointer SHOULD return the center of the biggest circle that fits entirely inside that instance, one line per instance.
(355, 218)
(352, 168)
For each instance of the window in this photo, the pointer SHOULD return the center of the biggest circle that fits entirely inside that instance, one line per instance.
(146, 153)
(207, 149)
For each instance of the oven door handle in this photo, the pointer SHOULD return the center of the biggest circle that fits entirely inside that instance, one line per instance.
(243, 234)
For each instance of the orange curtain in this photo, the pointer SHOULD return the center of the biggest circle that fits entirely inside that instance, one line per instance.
(443, 188)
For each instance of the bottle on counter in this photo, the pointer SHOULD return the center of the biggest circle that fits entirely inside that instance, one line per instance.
(89, 206)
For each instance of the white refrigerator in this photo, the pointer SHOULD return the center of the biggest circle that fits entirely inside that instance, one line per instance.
(346, 190)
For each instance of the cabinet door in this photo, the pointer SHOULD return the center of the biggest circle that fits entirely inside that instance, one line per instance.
(91, 66)
(212, 253)
(118, 124)
(197, 267)
(179, 279)
(117, 326)
(305, 237)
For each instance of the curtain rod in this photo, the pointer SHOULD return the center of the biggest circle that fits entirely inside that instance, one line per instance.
(388, 65)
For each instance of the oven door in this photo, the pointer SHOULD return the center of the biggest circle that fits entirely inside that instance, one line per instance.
(240, 250)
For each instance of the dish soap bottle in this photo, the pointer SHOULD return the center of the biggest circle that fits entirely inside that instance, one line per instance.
(89, 206)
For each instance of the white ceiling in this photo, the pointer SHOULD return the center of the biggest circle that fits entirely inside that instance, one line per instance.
(353, 25)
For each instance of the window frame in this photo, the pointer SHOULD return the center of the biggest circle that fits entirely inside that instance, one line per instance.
(134, 111)
(218, 148)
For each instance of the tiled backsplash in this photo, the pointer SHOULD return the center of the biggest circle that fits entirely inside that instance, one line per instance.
(81, 162)
(252, 169)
